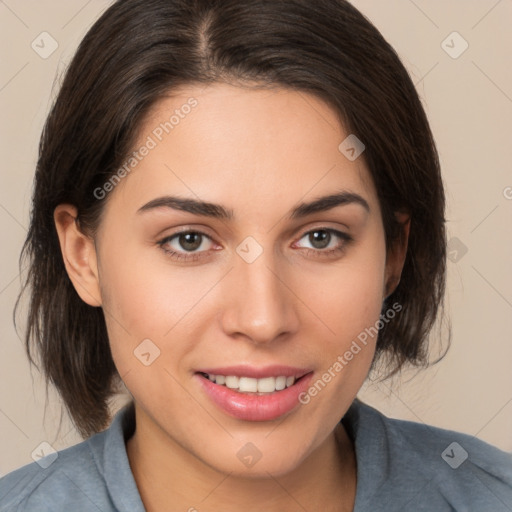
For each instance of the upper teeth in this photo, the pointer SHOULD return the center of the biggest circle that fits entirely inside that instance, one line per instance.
(248, 384)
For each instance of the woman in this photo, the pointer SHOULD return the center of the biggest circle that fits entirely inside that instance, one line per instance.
(238, 213)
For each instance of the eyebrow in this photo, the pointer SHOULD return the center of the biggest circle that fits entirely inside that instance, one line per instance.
(218, 211)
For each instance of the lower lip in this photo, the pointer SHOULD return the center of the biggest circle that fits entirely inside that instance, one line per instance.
(251, 407)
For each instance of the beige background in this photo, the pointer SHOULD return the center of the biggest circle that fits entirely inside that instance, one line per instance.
(469, 104)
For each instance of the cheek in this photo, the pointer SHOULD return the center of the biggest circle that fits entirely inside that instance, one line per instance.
(147, 297)
(348, 296)
(348, 301)
(131, 301)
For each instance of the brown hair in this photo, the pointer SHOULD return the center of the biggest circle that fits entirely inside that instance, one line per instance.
(137, 52)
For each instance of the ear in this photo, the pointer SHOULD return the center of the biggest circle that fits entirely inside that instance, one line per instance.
(395, 258)
(79, 254)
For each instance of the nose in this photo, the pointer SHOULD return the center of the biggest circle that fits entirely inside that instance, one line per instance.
(260, 306)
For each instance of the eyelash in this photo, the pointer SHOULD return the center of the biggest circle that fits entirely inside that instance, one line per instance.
(194, 256)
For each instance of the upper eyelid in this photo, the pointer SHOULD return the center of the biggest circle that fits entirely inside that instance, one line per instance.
(321, 228)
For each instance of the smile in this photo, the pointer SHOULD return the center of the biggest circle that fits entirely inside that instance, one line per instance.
(252, 394)
(250, 384)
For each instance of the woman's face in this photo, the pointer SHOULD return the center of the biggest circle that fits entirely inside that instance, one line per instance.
(259, 285)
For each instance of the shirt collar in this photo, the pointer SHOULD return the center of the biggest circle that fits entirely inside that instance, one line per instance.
(117, 472)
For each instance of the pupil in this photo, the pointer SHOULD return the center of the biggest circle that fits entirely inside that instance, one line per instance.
(190, 241)
(320, 239)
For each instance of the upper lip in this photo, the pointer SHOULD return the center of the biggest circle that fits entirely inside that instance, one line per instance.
(257, 373)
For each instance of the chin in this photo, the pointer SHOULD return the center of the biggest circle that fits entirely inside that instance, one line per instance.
(256, 458)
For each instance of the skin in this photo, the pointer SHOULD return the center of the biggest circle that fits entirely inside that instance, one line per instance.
(259, 153)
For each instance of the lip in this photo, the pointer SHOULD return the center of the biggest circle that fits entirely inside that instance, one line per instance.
(252, 407)
(257, 373)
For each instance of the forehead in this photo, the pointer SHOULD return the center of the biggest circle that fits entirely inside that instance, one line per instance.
(246, 147)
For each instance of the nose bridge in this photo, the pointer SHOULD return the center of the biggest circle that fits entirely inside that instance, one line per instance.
(261, 307)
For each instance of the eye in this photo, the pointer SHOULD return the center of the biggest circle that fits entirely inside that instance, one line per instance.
(179, 244)
(326, 241)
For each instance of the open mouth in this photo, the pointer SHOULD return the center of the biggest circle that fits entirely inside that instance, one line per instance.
(250, 385)
(252, 393)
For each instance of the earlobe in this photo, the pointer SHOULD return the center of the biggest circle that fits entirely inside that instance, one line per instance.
(79, 254)
(396, 255)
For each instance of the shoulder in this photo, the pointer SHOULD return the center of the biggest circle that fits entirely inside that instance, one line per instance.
(58, 478)
(422, 465)
(92, 475)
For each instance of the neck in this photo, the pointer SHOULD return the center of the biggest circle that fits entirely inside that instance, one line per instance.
(167, 476)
